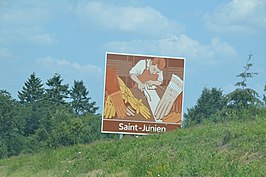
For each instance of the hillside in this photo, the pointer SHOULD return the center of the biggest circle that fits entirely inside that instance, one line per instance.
(228, 149)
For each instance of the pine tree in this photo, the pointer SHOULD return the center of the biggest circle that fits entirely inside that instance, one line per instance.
(32, 91)
(57, 92)
(32, 95)
(80, 99)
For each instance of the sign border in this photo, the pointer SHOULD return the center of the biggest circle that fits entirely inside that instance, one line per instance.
(141, 55)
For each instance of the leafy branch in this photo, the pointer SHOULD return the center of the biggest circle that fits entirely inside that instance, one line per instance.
(246, 74)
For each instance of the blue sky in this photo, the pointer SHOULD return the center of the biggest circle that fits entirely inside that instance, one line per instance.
(71, 38)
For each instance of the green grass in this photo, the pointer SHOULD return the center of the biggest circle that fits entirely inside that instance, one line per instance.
(228, 149)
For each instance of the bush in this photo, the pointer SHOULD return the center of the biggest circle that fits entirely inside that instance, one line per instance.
(3, 149)
(228, 114)
(210, 102)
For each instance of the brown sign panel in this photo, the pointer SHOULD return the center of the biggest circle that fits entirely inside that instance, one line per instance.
(143, 94)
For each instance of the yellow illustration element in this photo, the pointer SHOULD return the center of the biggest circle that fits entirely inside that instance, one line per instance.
(136, 104)
(109, 109)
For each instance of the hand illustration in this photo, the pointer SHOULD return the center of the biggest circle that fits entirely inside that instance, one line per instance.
(172, 91)
(177, 106)
(111, 84)
(149, 83)
(119, 104)
(172, 117)
(141, 86)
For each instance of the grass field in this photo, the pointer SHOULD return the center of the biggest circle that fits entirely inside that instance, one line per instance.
(228, 149)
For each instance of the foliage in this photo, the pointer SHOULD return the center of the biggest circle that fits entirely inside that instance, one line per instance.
(57, 92)
(227, 149)
(242, 103)
(92, 129)
(264, 96)
(44, 118)
(80, 100)
(56, 116)
(32, 91)
(3, 149)
(11, 125)
(244, 97)
(246, 74)
(210, 102)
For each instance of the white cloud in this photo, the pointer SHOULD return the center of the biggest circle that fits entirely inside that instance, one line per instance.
(126, 18)
(24, 21)
(180, 45)
(24, 35)
(31, 12)
(54, 64)
(238, 16)
(18, 13)
(135, 46)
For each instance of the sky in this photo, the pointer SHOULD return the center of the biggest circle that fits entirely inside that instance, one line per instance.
(71, 37)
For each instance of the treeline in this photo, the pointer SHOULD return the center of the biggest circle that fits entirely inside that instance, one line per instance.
(52, 115)
(244, 103)
(47, 117)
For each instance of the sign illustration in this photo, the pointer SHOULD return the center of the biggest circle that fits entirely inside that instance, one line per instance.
(143, 94)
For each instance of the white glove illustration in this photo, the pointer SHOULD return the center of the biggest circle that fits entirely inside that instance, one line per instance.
(174, 88)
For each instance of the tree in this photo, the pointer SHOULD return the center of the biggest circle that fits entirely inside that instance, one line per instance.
(32, 91)
(33, 117)
(210, 102)
(67, 133)
(264, 96)
(11, 125)
(244, 97)
(3, 149)
(246, 74)
(32, 95)
(5, 102)
(80, 101)
(57, 93)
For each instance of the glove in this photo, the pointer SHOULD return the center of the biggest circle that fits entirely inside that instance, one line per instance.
(177, 106)
(172, 91)
(113, 90)
(111, 83)
(130, 111)
(119, 104)
(172, 117)
(109, 109)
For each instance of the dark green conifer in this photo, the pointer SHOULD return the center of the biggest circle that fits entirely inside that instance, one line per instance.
(80, 100)
(57, 92)
(32, 91)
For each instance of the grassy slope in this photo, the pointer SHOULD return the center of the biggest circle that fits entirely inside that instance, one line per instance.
(229, 149)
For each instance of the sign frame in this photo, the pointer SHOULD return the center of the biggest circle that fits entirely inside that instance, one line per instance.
(135, 127)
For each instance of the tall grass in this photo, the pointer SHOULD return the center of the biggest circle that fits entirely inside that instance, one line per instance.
(231, 148)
